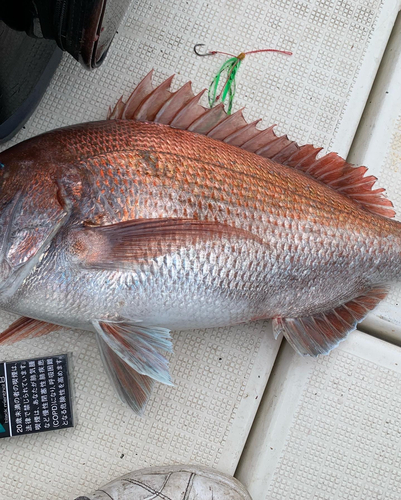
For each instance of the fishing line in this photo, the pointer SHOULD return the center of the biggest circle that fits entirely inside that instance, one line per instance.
(230, 68)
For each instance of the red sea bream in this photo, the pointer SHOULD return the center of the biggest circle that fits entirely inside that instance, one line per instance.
(170, 216)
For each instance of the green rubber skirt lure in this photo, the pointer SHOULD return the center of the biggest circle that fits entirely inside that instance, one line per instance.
(230, 67)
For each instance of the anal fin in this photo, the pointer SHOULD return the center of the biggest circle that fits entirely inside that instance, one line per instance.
(319, 334)
(25, 328)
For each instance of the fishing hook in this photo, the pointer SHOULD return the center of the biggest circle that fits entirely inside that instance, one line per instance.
(205, 54)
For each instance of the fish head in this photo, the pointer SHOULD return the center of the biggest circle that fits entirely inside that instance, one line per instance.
(33, 206)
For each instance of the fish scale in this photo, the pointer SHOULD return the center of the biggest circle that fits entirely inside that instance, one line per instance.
(152, 189)
(203, 192)
(131, 229)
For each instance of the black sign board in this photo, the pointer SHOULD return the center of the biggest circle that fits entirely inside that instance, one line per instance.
(35, 396)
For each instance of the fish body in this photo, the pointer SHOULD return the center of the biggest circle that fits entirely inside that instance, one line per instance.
(314, 248)
(131, 228)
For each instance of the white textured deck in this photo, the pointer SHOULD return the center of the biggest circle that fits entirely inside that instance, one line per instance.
(205, 419)
(329, 429)
(317, 95)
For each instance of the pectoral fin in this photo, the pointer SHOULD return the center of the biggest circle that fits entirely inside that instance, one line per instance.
(138, 347)
(133, 388)
(118, 245)
(319, 334)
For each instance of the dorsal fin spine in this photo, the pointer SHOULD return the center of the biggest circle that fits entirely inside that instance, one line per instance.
(234, 135)
(192, 103)
(182, 110)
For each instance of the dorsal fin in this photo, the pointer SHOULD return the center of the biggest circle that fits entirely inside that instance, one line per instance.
(319, 334)
(181, 109)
